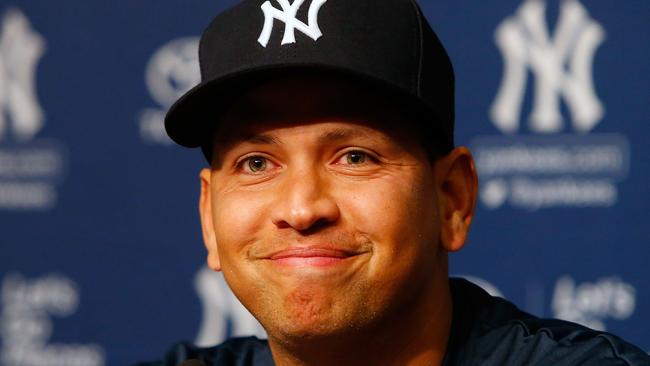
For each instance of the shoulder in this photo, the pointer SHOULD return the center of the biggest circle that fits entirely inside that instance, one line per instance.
(498, 333)
(535, 341)
(235, 352)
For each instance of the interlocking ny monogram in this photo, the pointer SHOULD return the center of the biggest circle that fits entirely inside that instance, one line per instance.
(288, 16)
(20, 50)
(562, 67)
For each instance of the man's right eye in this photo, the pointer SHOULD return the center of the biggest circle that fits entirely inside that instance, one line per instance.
(254, 164)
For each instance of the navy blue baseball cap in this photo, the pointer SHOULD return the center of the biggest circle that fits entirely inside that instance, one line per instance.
(384, 43)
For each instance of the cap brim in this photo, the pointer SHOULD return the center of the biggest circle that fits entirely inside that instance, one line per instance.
(191, 121)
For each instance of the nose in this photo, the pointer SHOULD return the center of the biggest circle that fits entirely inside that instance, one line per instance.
(304, 202)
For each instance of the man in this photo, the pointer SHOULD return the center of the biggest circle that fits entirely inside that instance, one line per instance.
(335, 193)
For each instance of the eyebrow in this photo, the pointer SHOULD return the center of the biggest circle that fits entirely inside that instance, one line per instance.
(260, 139)
(341, 134)
(327, 136)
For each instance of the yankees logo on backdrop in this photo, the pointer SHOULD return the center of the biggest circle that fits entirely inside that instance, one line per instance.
(223, 315)
(532, 171)
(525, 43)
(30, 167)
(291, 23)
(20, 50)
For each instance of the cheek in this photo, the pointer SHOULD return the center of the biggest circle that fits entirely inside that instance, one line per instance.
(237, 219)
(399, 215)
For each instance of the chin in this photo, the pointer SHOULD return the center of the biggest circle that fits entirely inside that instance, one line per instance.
(320, 322)
(306, 311)
(289, 332)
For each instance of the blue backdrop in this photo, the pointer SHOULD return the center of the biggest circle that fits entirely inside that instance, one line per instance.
(101, 260)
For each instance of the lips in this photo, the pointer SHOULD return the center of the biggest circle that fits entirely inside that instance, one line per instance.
(310, 252)
(312, 256)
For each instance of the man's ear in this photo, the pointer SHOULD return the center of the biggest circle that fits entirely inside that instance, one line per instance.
(207, 225)
(457, 185)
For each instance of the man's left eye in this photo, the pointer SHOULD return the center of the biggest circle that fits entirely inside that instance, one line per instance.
(256, 164)
(356, 157)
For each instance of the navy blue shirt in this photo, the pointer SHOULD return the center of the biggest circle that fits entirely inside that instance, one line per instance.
(486, 330)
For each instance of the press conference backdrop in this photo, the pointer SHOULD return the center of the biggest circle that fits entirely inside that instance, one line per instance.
(101, 259)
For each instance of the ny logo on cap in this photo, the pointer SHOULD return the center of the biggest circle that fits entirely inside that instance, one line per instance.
(288, 16)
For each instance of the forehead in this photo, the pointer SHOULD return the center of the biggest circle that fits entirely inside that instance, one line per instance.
(304, 100)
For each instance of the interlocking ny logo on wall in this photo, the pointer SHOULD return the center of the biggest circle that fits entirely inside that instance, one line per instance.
(562, 67)
(30, 168)
(548, 169)
(291, 23)
(223, 315)
(20, 50)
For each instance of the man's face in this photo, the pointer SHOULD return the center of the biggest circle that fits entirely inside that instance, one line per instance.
(323, 223)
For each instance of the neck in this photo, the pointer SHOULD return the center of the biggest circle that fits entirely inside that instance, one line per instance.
(415, 335)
